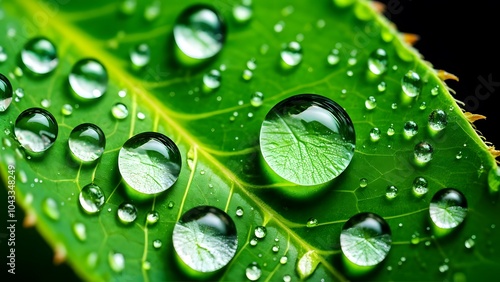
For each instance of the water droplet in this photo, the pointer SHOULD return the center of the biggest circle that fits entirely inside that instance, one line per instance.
(363, 182)
(283, 259)
(5, 93)
(257, 99)
(149, 164)
(199, 34)
(45, 103)
(157, 244)
(391, 192)
(312, 222)
(39, 56)
(18, 72)
(420, 186)
(239, 211)
(423, 106)
(415, 239)
(287, 278)
(411, 84)
(275, 248)
(116, 261)
(253, 271)
(470, 243)
(211, 80)
(127, 213)
(119, 111)
(152, 11)
(291, 55)
(141, 116)
(91, 198)
(66, 109)
(279, 26)
(390, 130)
(435, 90)
(36, 130)
(88, 79)
(247, 74)
(438, 120)
(443, 268)
(458, 156)
(448, 208)
(50, 208)
(260, 232)
(170, 204)
(80, 231)
(253, 242)
(3, 55)
(92, 259)
(146, 265)
(152, 217)
(242, 13)
(140, 55)
(377, 62)
(423, 152)
(205, 239)
(252, 64)
(382, 86)
(365, 239)
(128, 7)
(314, 129)
(410, 129)
(87, 142)
(371, 103)
(394, 106)
(375, 134)
(333, 58)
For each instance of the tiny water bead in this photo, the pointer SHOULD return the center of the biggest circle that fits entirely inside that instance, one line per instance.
(5, 93)
(423, 152)
(66, 110)
(211, 80)
(257, 99)
(140, 55)
(411, 84)
(391, 192)
(333, 58)
(260, 232)
(253, 271)
(242, 13)
(157, 244)
(377, 61)
(152, 217)
(50, 208)
(312, 222)
(410, 129)
(36, 130)
(205, 239)
(291, 54)
(365, 239)
(149, 163)
(239, 211)
(87, 142)
(119, 111)
(375, 134)
(419, 187)
(199, 33)
(371, 103)
(363, 182)
(127, 213)
(80, 231)
(39, 55)
(91, 198)
(88, 79)
(448, 208)
(438, 120)
(307, 139)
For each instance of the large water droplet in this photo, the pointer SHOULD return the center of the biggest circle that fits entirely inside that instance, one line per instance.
(39, 55)
(127, 213)
(5, 93)
(448, 208)
(291, 55)
(140, 55)
(205, 239)
(307, 139)
(199, 34)
(253, 271)
(149, 164)
(88, 79)
(87, 142)
(411, 84)
(36, 130)
(377, 62)
(91, 198)
(423, 152)
(438, 120)
(365, 239)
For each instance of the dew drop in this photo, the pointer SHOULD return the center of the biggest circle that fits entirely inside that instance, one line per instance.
(279, 26)
(423, 152)
(419, 187)
(394, 106)
(141, 116)
(411, 84)
(253, 242)
(287, 278)
(251, 64)
(382, 86)
(312, 222)
(333, 58)
(45, 103)
(199, 34)
(283, 259)
(88, 79)
(50, 208)
(149, 163)
(458, 156)
(157, 244)
(91, 198)
(66, 110)
(247, 74)
(291, 55)
(152, 11)
(253, 271)
(128, 7)
(239, 211)
(116, 261)
(127, 213)
(391, 192)
(275, 248)
(170, 204)
(87, 142)
(3, 55)
(375, 134)
(119, 111)
(323, 130)
(242, 13)
(91, 259)
(80, 231)
(365, 239)
(371, 103)
(377, 62)
(410, 129)
(140, 55)
(152, 217)
(36, 130)
(390, 130)
(5, 93)
(257, 99)
(146, 265)
(435, 90)
(470, 243)
(448, 208)
(39, 56)
(363, 182)
(205, 239)
(438, 120)
(260, 232)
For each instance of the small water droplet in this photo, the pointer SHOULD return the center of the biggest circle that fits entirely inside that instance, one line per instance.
(391, 192)
(36, 130)
(152, 217)
(247, 74)
(279, 26)
(260, 232)
(291, 55)
(382, 86)
(312, 222)
(377, 62)
(390, 130)
(438, 120)
(91, 198)
(423, 106)
(287, 278)
(157, 244)
(152, 11)
(410, 129)
(470, 243)
(333, 58)
(394, 106)
(242, 13)
(80, 231)
(91, 259)
(411, 84)
(146, 265)
(50, 208)
(5, 93)
(116, 261)
(253, 271)
(275, 248)
(239, 211)
(283, 259)
(458, 156)
(119, 111)
(375, 134)
(170, 204)
(363, 182)
(141, 116)
(88, 79)
(87, 142)
(3, 55)
(66, 110)
(140, 55)
(39, 56)
(257, 99)
(128, 7)
(45, 103)
(448, 208)
(127, 213)
(251, 64)
(423, 152)
(420, 186)
(371, 103)
(443, 268)
(435, 90)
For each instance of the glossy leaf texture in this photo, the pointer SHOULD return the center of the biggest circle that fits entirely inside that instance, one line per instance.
(217, 132)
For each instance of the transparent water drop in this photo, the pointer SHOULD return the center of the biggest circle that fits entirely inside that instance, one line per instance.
(275, 248)
(119, 111)
(199, 34)
(291, 55)
(257, 99)
(247, 74)
(251, 64)
(91, 198)
(287, 278)
(128, 7)
(5, 93)
(157, 244)
(18, 72)
(411, 84)
(423, 106)
(260, 232)
(283, 259)
(390, 130)
(87, 142)
(394, 106)
(459, 155)
(116, 261)
(152, 11)
(36, 130)
(205, 239)
(80, 231)
(45, 103)
(253, 271)
(146, 265)
(152, 217)
(3, 55)
(382, 86)
(312, 222)
(170, 204)
(314, 129)
(39, 56)
(66, 110)
(211, 80)
(239, 211)
(363, 182)
(366, 239)
(253, 242)
(279, 26)
(410, 129)
(127, 213)
(391, 192)
(470, 243)
(149, 164)
(375, 134)
(438, 120)
(50, 208)
(242, 13)
(378, 61)
(333, 58)
(435, 90)
(88, 79)
(419, 187)
(448, 208)
(371, 103)
(140, 55)
(91, 259)
(423, 152)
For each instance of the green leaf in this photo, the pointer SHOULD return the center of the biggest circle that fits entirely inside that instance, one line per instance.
(217, 133)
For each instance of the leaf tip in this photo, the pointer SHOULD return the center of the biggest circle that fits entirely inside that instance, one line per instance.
(444, 75)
